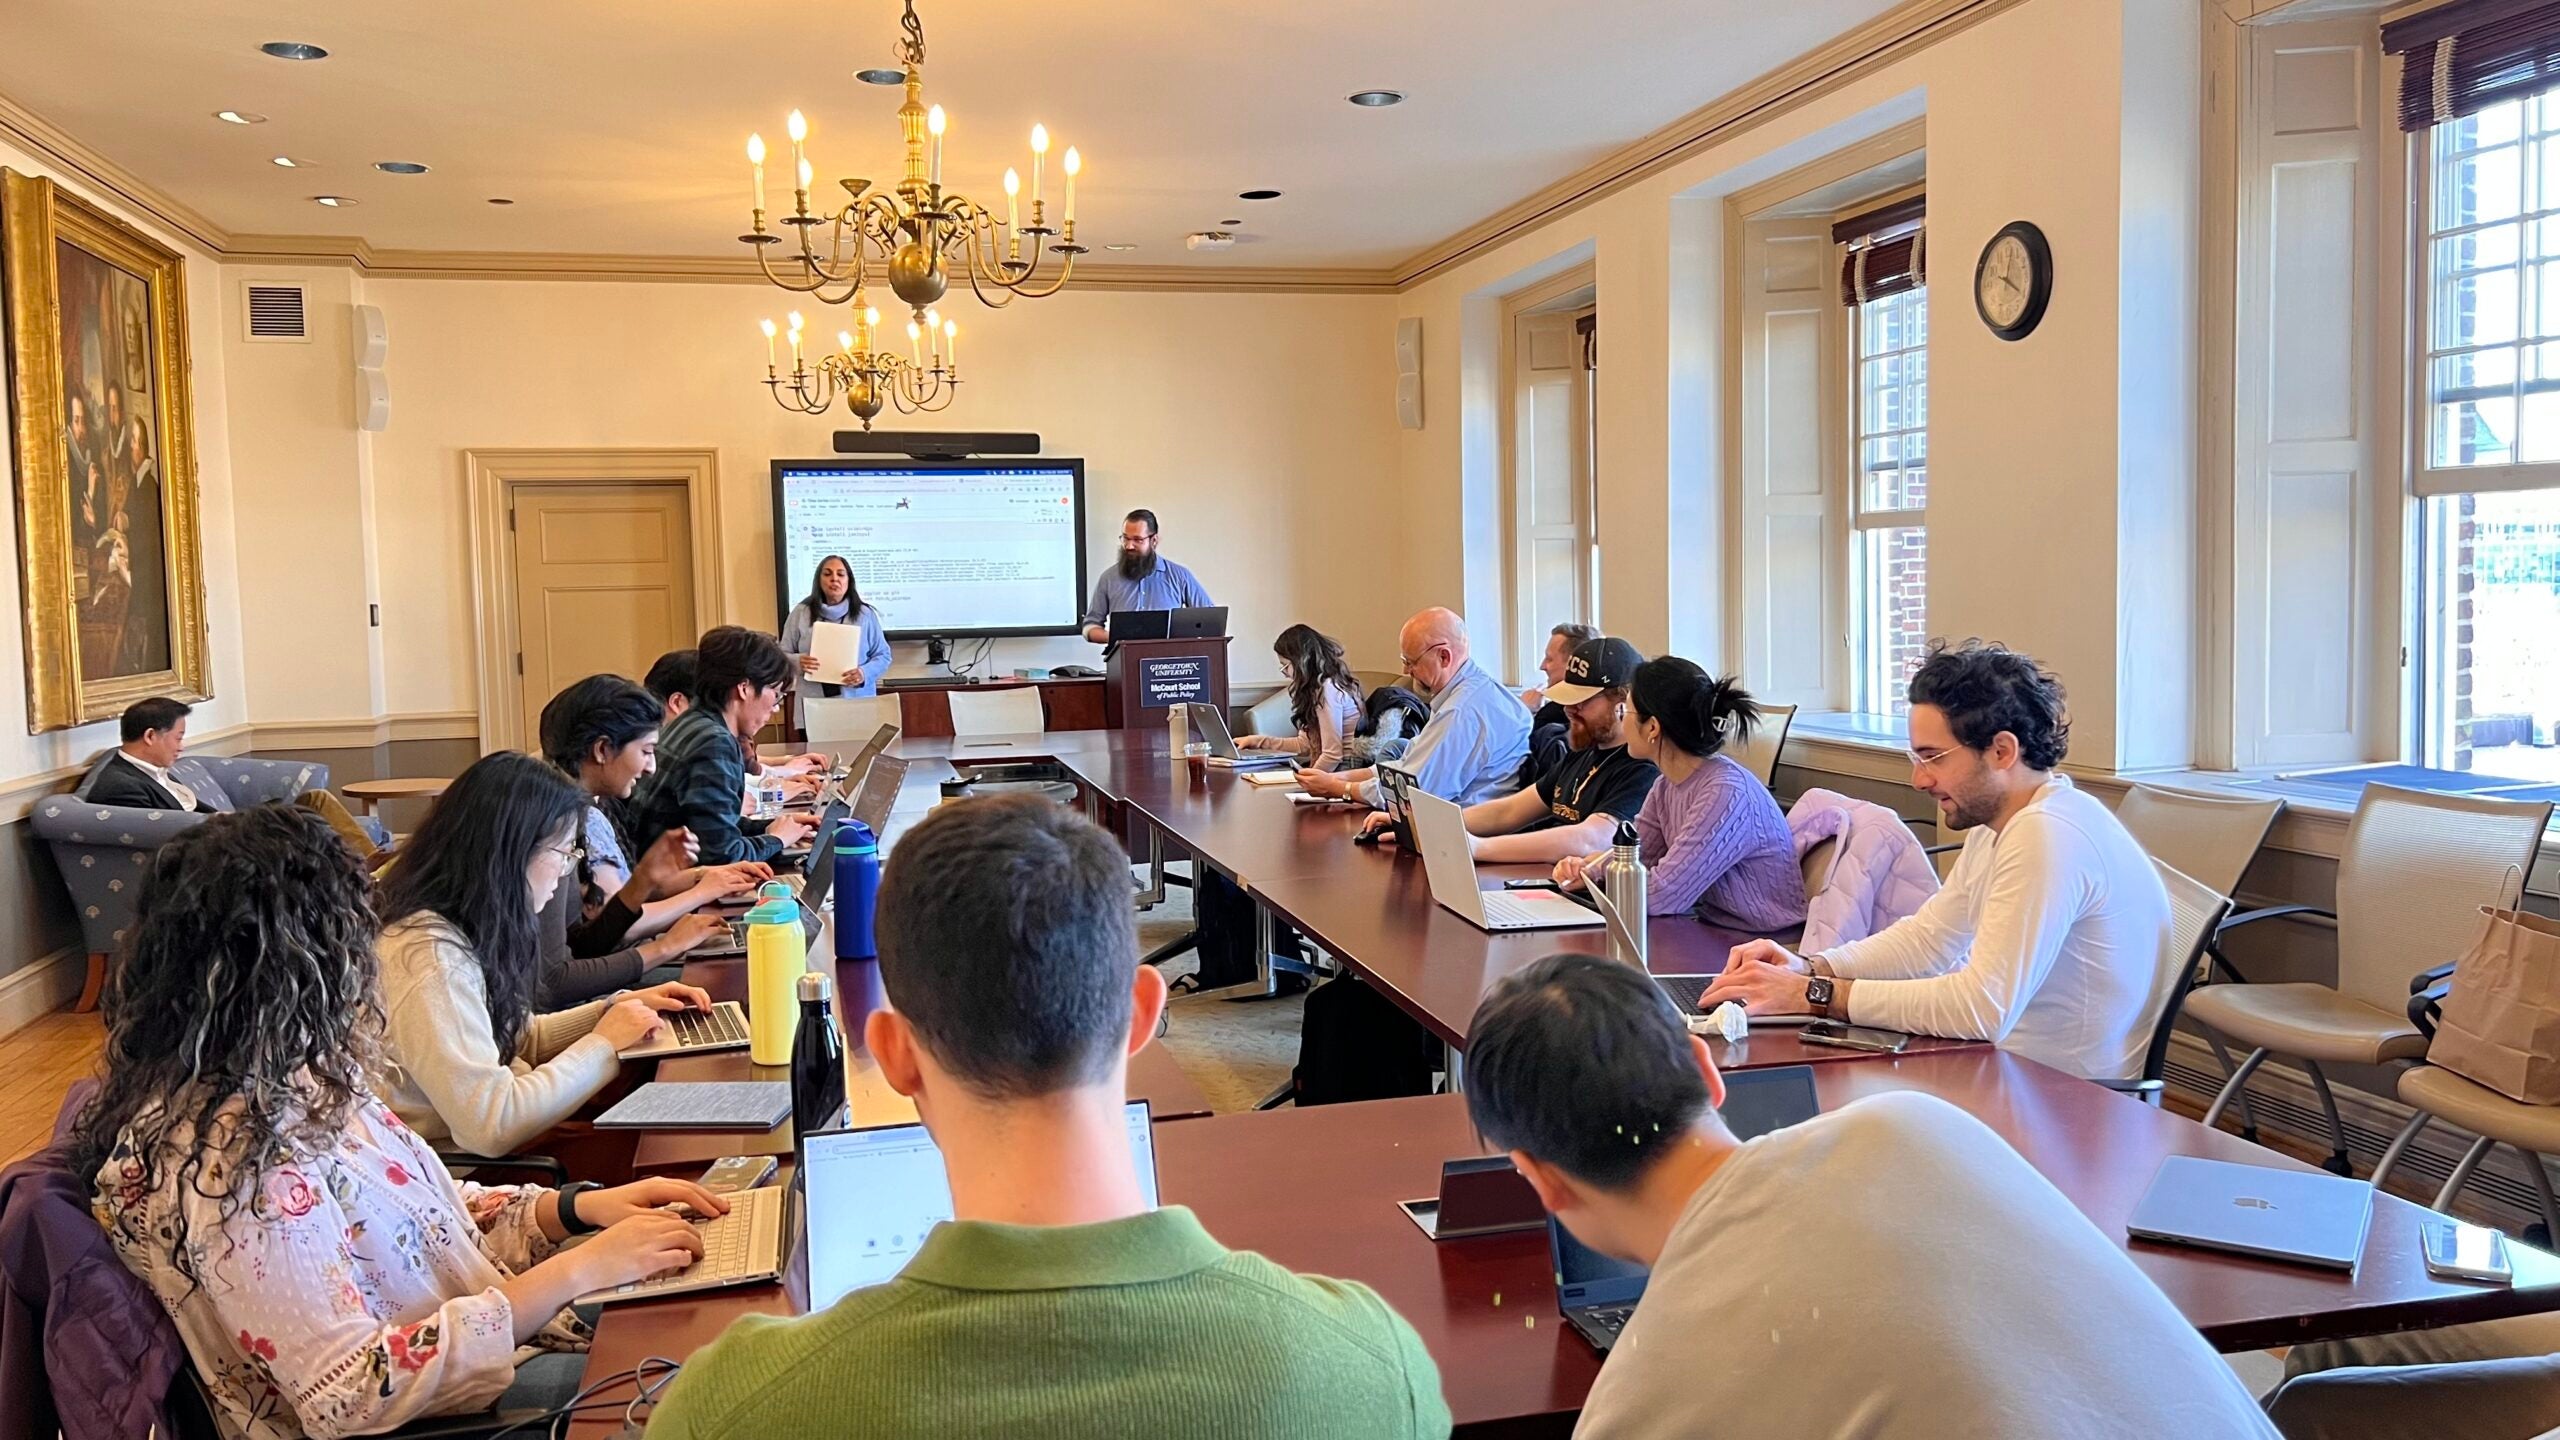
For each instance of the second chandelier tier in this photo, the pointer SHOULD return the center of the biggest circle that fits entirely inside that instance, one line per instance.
(916, 235)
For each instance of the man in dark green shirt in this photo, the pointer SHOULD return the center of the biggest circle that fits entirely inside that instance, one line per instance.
(701, 779)
(1055, 1304)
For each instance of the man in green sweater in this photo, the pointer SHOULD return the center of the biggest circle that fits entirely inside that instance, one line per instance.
(1055, 1304)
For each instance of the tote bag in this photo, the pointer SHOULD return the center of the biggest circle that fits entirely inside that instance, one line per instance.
(2501, 1018)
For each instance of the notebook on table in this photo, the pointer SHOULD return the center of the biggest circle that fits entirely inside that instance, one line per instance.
(701, 1105)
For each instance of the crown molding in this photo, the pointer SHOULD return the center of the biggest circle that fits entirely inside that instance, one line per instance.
(1851, 56)
(73, 160)
(739, 270)
(1848, 57)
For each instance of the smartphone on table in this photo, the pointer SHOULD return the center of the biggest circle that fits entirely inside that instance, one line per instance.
(1854, 1037)
(2456, 1251)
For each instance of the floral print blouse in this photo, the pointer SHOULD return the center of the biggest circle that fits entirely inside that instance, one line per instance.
(354, 1291)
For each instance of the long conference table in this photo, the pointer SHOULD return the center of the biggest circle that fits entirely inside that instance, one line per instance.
(1315, 1189)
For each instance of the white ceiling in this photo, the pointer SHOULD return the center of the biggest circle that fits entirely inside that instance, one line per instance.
(620, 128)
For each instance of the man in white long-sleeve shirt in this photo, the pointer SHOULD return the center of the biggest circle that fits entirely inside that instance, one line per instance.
(2048, 936)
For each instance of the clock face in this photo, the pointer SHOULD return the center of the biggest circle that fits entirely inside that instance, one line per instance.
(2006, 280)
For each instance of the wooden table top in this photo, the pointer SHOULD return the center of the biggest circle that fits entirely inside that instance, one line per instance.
(395, 789)
(1315, 1190)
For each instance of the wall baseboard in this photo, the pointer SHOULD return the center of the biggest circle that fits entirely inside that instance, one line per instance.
(41, 988)
(2286, 1103)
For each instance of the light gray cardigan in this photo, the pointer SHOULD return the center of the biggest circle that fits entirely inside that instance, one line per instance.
(442, 1073)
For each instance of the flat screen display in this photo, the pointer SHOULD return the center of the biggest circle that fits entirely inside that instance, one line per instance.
(939, 548)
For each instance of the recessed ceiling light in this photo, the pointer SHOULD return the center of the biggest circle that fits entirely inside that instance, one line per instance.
(293, 50)
(289, 163)
(1257, 194)
(881, 77)
(1377, 99)
(500, 200)
(239, 117)
(334, 202)
(399, 167)
(1119, 247)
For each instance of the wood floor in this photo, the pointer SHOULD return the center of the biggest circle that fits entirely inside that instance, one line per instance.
(41, 1061)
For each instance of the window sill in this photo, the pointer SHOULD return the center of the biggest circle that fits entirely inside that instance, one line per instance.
(1844, 742)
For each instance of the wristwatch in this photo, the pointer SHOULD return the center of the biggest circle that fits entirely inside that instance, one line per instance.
(1817, 994)
(569, 1194)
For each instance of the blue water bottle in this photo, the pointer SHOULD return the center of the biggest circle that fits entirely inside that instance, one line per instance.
(857, 886)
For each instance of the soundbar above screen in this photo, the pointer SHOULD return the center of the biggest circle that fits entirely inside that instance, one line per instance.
(940, 547)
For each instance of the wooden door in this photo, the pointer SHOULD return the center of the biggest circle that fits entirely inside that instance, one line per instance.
(604, 583)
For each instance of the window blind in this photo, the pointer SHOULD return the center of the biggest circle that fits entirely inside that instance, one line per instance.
(2460, 58)
(1888, 251)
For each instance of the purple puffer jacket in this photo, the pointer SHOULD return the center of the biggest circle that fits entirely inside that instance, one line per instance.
(1879, 876)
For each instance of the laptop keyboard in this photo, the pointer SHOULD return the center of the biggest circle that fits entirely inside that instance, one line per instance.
(730, 1252)
(719, 1025)
(1684, 990)
(1510, 911)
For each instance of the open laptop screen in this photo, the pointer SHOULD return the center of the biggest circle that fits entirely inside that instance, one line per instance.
(873, 1194)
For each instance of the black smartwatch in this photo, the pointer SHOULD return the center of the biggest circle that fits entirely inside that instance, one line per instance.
(1817, 993)
(569, 1220)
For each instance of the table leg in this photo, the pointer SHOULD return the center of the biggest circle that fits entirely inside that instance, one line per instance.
(1265, 934)
(1454, 1061)
(1153, 895)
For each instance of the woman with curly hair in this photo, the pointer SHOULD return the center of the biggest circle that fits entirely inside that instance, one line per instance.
(1324, 698)
(328, 1275)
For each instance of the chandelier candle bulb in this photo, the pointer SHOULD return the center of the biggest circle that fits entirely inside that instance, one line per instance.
(768, 347)
(1074, 163)
(915, 334)
(1039, 158)
(1012, 187)
(934, 122)
(798, 125)
(951, 344)
(755, 158)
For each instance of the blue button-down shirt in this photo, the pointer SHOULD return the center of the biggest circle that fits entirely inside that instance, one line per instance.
(1471, 748)
(1167, 587)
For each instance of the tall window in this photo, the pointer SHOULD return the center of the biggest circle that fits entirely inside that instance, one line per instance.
(1889, 497)
(2488, 665)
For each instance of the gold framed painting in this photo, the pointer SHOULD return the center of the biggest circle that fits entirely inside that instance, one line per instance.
(102, 428)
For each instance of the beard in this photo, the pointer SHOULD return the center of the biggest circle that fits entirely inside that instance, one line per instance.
(1967, 811)
(1137, 567)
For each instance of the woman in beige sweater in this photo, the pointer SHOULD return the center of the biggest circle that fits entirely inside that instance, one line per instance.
(467, 1059)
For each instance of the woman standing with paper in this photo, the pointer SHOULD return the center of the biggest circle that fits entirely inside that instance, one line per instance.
(835, 637)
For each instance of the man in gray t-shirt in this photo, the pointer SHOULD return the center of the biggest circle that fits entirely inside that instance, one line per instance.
(1889, 1270)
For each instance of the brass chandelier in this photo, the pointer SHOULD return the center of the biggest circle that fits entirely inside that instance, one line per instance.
(917, 236)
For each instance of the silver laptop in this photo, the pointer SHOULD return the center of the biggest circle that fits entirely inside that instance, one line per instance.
(1211, 726)
(2299, 1215)
(743, 1247)
(1441, 830)
(695, 1032)
(872, 1195)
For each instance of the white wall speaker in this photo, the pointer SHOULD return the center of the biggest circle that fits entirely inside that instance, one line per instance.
(373, 400)
(372, 337)
(1409, 372)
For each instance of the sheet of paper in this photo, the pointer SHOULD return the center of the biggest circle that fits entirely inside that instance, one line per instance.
(837, 648)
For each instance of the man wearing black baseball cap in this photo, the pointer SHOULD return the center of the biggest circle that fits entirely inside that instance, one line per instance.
(1576, 806)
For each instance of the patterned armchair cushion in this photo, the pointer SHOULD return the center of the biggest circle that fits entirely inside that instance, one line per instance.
(102, 850)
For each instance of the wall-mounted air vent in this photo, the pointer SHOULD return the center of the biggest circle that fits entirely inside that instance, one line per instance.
(276, 312)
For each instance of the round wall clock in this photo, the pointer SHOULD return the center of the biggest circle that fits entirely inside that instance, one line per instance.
(2014, 280)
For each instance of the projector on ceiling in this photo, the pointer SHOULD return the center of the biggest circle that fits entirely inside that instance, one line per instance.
(1209, 239)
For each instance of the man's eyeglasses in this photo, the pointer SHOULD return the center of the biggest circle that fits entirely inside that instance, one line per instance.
(1923, 759)
(1412, 660)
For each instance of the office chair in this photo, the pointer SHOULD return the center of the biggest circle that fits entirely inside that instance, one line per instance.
(2213, 839)
(2416, 869)
(1759, 753)
(847, 720)
(1009, 710)
(2437, 1093)
(2196, 913)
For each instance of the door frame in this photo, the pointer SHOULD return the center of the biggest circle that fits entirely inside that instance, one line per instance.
(1565, 293)
(489, 481)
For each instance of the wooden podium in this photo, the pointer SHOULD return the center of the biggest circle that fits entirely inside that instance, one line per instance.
(1143, 677)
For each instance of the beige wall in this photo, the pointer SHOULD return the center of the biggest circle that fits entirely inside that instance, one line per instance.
(2030, 442)
(1259, 427)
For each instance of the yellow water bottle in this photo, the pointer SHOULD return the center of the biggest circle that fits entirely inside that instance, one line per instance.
(777, 956)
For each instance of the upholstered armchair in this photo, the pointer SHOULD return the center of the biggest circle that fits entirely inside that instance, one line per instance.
(102, 849)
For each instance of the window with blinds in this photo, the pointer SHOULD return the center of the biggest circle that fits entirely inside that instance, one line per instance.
(1884, 289)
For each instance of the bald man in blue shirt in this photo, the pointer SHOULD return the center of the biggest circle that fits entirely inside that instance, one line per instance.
(1143, 580)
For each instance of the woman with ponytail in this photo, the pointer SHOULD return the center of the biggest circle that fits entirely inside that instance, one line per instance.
(1710, 832)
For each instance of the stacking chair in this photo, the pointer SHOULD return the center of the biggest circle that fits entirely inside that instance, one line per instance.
(2212, 838)
(2416, 869)
(1759, 754)
(1012, 710)
(848, 720)
(2196, 912)
(2437, 1093)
